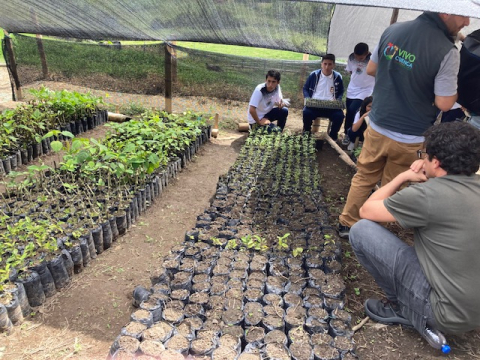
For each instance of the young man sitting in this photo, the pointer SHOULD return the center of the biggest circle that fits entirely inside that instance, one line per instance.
(433, 286)
(266, 103)
(324, 84)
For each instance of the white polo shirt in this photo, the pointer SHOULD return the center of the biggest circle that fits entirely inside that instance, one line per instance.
(264, 102)
(325, 89)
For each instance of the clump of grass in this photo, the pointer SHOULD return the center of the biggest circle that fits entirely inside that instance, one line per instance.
(133, 108)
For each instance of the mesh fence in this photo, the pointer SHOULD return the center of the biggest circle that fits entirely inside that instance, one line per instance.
(140, 69)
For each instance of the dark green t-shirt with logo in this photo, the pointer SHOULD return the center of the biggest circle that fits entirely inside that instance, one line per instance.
(444, 214)
(409, 58)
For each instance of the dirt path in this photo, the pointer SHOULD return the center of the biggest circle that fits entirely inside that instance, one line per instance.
(5, 88)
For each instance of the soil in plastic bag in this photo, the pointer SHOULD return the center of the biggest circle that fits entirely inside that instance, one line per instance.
(59, 272)
(107, 235)
(46, 279)
(5, 322)
(140, 294)
(77, 258)
(85, 252)
(67, 259)
(97, 235)
(22, 299)
(33, 287)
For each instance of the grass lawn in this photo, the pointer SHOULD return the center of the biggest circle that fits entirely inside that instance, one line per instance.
(245, 51)
(248, 51)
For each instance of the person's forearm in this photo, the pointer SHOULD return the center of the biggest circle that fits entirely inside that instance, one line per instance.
(253, 112)
(389, 189)
(356, 126)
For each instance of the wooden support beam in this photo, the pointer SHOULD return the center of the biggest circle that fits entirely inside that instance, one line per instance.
(302, 76)
(168, 78)
(394, 17)
(43, 58)
(12, 67)
(174, 63)
(343, 155)
(41, 50)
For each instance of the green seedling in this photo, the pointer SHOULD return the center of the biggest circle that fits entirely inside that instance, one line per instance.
(297, 251)
(216, 241)
(282, 242)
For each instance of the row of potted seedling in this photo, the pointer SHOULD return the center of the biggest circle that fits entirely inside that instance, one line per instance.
(22, 129)
(56, 220)
(251, 280)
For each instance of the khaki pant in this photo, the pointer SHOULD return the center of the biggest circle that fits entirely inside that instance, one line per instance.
(381, 159)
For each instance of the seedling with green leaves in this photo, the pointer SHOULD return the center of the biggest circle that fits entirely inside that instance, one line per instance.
(282, 243)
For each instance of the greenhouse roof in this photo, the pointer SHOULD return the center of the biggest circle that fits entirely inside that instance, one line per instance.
(302, 26)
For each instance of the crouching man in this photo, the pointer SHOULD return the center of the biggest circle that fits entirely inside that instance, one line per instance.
(266, 103)
(433, 286)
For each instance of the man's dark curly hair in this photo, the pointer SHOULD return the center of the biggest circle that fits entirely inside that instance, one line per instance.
(456, 145)
(273, 73)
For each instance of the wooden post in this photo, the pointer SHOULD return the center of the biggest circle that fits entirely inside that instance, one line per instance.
(12, 66)
(43, 58)
(41, 50)
(168, 78)
(174, 63)
(302, 76)
(394, 17)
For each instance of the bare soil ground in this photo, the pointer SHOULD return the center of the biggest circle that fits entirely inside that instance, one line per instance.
(82, 320)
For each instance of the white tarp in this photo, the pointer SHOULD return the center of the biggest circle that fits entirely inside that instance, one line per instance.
(469, 8)
(353, 24)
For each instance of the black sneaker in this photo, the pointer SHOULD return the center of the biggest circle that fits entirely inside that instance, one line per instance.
(343, 231)
(385, 312)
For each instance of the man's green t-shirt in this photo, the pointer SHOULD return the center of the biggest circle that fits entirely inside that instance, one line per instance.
(445, 215)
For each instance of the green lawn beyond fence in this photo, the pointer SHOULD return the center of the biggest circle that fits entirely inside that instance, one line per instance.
(201, 69)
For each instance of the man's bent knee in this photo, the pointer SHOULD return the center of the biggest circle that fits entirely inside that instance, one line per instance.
(359, 231)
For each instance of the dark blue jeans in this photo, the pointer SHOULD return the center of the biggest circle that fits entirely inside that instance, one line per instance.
(353, 105)
(279, 114)
(395, 267)
(334, 115)
(352, 135)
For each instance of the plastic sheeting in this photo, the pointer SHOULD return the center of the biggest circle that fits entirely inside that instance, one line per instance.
(353, 24)
(458, 7)
(276, 24)
(300, 26)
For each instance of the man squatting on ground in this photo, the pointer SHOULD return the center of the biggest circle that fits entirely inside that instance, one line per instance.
(416, 65)
(266, 103)
(324, 84)
(434, 284)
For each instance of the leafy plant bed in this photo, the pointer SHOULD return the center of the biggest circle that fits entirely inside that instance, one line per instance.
(23, 131)
(270, 205)
(56, 220)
